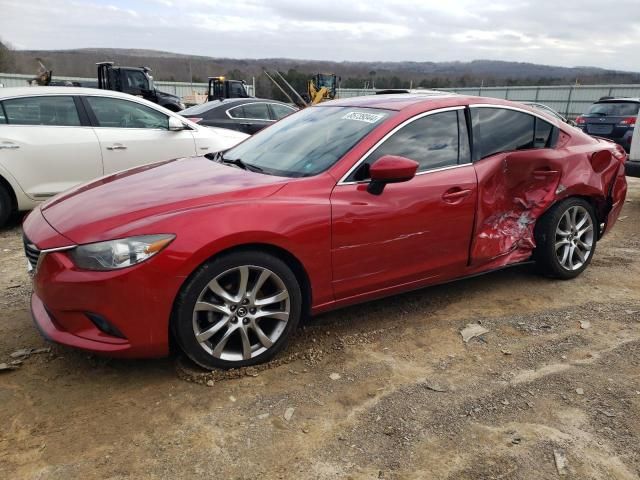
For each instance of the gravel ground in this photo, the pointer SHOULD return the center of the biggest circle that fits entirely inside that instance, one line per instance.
(383, 390)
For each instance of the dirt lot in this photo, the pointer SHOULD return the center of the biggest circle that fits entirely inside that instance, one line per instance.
(383, 390)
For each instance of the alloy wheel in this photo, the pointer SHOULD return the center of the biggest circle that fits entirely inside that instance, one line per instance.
(574, 238)
(241, 313)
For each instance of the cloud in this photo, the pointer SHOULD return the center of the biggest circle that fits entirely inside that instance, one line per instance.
(572, 32)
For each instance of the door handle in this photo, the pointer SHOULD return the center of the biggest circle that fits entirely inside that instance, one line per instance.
(9, 146)
(117, 146)
(545, 172)
(454, 195)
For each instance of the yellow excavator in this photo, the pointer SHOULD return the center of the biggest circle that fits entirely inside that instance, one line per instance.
(321, 87)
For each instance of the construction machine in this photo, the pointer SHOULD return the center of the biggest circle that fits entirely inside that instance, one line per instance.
(135, 81)
(321, 87)
(221, 88)
(43, 77)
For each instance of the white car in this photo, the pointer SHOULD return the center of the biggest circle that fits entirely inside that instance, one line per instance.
(633, 163)
(53, 138)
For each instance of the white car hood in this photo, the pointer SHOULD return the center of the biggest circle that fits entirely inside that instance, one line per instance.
(213, 139)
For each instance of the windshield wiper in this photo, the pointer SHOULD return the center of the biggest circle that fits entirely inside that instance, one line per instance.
(219, 156)
(239, 163)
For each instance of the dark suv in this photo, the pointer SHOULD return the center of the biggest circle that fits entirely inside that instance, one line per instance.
(612, 118)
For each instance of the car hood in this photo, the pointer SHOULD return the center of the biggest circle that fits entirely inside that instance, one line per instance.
(224, 133)
(116, 205)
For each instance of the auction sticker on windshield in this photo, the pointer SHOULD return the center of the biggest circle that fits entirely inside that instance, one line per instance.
(364, 117)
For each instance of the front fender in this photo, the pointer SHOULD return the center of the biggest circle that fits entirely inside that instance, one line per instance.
(302, 228)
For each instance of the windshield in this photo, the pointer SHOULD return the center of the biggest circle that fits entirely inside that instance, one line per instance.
(613, 109)
(308, 142)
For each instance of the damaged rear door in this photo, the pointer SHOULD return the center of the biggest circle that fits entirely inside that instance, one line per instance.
(518, 175)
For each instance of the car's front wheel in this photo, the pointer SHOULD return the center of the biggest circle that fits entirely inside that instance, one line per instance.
(566, 238)
(238, 310)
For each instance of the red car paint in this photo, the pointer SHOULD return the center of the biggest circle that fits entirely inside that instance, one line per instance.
(352, 245)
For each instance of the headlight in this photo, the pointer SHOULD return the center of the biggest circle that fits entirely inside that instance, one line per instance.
(121, 253)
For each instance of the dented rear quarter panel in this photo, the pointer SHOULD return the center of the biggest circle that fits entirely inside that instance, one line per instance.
(516, 188)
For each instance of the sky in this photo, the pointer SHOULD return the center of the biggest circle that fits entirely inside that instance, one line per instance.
(599, 33)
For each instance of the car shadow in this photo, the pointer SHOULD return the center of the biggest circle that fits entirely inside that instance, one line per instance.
(362, 318)
(15, 221)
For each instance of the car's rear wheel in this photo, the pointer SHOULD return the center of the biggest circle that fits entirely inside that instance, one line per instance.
(238, 310)
(566, 238)
(6, 205)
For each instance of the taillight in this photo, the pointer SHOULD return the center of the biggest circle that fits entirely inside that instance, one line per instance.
(620, 153)
(580, 120)
(194, 119)
(629, 121)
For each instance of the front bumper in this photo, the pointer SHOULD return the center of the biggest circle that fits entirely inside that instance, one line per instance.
(53, 332)
(66, 301)
(135, 301)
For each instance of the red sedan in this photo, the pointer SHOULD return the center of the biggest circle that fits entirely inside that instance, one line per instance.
(337, 204)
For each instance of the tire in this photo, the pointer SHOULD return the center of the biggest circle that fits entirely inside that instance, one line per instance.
(220, 324)
(566, 243)
(632, 168)
(6, 205)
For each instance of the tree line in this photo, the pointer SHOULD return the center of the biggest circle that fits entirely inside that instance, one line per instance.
(385, 75)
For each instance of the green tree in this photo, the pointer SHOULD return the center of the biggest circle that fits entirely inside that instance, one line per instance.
(7, 60)
(236, 74)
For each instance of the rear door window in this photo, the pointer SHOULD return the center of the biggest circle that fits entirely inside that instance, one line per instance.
(50, 111)
(257, 111)
(3, 118)
(280, 111)
(498, 130)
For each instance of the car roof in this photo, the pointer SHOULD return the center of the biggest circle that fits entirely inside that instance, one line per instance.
(32, 91)
(413, 101)
(226, 101)
(393, 101)
(621, 99)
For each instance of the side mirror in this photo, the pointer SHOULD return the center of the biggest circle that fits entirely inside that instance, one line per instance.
(390, 169)
(176, 125)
